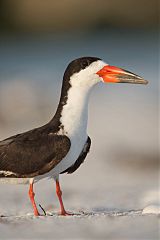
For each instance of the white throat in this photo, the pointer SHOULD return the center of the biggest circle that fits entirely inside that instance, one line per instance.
(74, 116)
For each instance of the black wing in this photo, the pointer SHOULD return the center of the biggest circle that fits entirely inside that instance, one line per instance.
(32, 153)
(80, 159)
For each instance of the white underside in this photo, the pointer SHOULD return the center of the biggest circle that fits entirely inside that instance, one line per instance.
(74, 118)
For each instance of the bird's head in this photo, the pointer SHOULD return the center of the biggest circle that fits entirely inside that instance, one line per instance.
(87, 71)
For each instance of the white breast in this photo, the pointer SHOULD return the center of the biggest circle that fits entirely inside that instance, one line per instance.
(74, 116)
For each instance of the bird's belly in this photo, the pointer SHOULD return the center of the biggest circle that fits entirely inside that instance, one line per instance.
(77, 145)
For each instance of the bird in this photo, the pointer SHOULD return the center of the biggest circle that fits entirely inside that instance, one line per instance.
(61, 145)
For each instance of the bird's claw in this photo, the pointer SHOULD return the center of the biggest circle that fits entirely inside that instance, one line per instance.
(64, 213)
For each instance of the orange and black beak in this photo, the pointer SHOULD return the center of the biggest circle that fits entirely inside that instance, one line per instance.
(111, 74)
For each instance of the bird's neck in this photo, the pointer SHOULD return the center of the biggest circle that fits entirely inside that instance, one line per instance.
(74, 115)
(72, 111)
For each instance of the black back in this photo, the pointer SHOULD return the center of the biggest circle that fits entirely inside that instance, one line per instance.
(32, 153)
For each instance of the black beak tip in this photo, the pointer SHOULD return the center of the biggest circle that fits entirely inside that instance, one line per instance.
(146, 82)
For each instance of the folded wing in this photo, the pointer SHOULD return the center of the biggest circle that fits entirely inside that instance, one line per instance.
(32, 153)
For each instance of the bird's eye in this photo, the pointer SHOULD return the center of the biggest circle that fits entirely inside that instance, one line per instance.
(84, 64)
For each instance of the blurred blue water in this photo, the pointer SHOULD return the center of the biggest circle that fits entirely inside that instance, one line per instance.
(35, 56)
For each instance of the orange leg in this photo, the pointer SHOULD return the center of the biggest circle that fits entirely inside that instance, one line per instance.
(59, 194)
(31, 195)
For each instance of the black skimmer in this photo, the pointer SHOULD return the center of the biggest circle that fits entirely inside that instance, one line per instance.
(62, 144)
